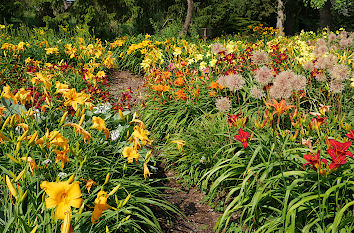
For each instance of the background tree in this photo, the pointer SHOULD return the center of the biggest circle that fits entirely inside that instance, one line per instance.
(188, 20)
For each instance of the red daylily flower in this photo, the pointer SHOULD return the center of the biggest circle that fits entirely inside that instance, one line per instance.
(242, 136)
(317, 122)
(338, 152)
(314, 161)
(351, 135)
(339, 148)
(235, 119)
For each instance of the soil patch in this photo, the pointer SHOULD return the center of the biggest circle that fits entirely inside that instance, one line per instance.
(125, 82)
(200, 217)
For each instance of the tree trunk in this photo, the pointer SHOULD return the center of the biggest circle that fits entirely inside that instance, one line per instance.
(188, 20)
(280, 18)
(325, 15)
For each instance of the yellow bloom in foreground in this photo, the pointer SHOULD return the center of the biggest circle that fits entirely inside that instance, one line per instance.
(180, 144)
(100, 206)
(99, 124)
(141, 134)
(131, 154)
(62, 195)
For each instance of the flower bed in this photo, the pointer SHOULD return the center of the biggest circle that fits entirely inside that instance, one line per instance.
(264, 128)
(72, 158)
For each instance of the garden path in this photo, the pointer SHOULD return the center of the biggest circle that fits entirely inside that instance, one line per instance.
(200, 217)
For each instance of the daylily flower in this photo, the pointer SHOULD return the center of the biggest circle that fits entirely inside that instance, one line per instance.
(324, 108)
(316, 123)
(279, 108)
(180, 144)
(339, 148)
(146, 171)
(139, 134)
(338, 152)
(32, 163)
(2, 110)
(63, 196)
(89, 184)
(314, 161)
(237, 120)
(242, 137)
(131, 154)
(6, 92)
(62, 157)
(351, 135)
(307, 142)
(100, 206)
(99, 124)
(80, 130)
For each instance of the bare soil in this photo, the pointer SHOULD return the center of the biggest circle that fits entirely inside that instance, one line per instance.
(200, 218)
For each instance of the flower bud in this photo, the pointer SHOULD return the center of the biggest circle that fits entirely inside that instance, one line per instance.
(62, 120)
(11, 187)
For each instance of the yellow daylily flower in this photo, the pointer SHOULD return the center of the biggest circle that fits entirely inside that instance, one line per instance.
(100, 206)
(11, 187)
(99, 124)
(146, 171)
(2, 110)
(180, 144)
(131, 154)
(63, 196)
(6, 92)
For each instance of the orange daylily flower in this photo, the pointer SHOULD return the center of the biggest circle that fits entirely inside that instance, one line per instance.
(2, 110)
(179, 81)
(279, 108)
(89, 184)
(24, 126)
(214, 85)
(62, 157)
(180, 144)
(181, 94)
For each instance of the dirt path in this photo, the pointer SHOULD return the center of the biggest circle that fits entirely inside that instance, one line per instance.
(200, 217)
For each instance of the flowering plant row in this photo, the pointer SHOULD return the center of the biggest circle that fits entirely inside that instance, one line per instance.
(263, 127)
(73, 159)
